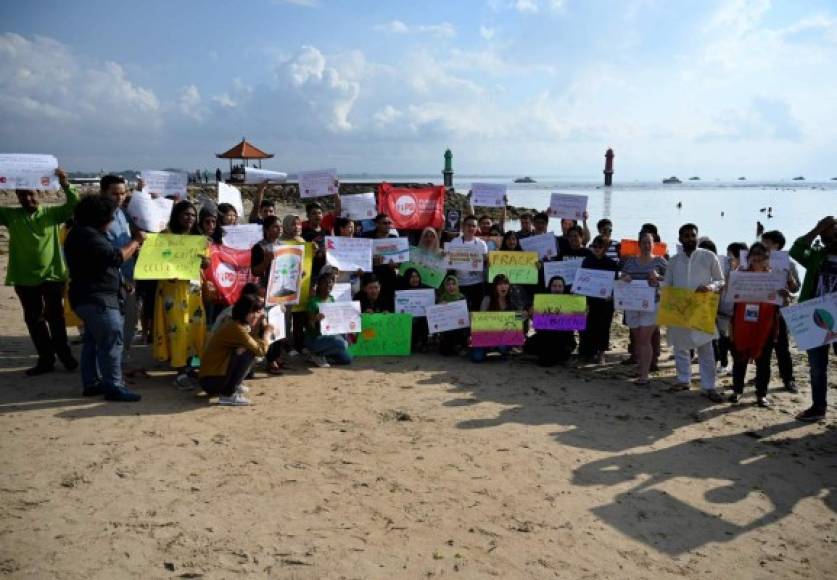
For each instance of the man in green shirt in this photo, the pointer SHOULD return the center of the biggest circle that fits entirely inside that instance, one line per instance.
(37, 271)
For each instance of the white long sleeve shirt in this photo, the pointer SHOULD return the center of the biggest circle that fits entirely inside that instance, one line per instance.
(701, 268)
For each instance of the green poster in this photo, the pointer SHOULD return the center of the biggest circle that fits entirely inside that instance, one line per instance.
(384, 335)
(519, 267)
(430, 267)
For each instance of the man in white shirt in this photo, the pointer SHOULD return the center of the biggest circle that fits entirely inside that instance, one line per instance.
(698, 270)
(471, 283)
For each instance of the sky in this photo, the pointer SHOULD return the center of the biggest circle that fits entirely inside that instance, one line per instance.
(514, 87)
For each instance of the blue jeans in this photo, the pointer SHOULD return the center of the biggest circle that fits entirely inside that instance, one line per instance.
(335, 348)
(101, 351)
(479, 355)
(818, 361)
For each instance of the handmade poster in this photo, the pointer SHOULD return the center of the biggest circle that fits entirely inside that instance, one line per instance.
(320, 183)
(519, 267)
(594, 283)
(27, 171)
(340, 317)
(488, 194)
(170, 257)
(384, 335)
(431, 267)
(414, 301)
(453, 219)
(491, 329)
(349, 254)
(165, 183)
(413, 208)
(284, 282)
(307, 272)
(635, 295)
(565, 268)
(543, 244)
(779, 260)
(754, 287)
(358, 206)
(242, 237)
(813, 323)
(253, 175)
(149, 214)
(276, 319)
(342, 292)
(447, 316)
(231, 195)
(685, 308)
(464, 258)
(395, 250)
(229, 271)
(628, 248)
(559, 312)
(567, 206)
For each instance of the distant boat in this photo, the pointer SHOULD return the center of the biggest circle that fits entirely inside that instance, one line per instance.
(526, 179)
(798, 178)
(695, 178)
(834, 179)
(742, 179)
(672, 179)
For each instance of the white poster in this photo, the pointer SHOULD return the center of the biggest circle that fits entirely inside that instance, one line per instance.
(165, 183)
(276, 319)
(148, 214)
(342, 292)
(395, 250)
(488, 194)
(779, 260)
(349, 254)
(358, 206)
(447, 316)
(231, 195)
(253, 175)
(464, 258)
(756, 286)
(813, 322)
(567, 206)
(565, 268)
(242, 237)
(414, 301)
(340, 317)
(635, 295)
(319, 183)
(543, 244)
(25, 171)
(593, 283)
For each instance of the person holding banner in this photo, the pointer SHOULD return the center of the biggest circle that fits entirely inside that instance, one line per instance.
(451, 342)
(499, 299)
(820, 263)
(595, 339)
(36, 270)
(471, 283)
(552, 347)
(324, 349)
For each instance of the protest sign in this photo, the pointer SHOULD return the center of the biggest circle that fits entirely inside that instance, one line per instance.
(453, 219)
(149, 214)
(464, 258)
(543, 244)
(413, 208)
(779, 260)
(349, 254)
(231, 195)
(519, 267)
(284, 281)
(305, 282)
(340, 317)
(165, 183)
(567, 206)
(629, 248)
(447, 316)
(685, 308)
(253, 175)
(594, 283)
(342, 292)
(414, 301)
(384, 335)
(559, 312)
(635, 295)
(755, 287)
(319, 183)
(27, 171)
(242, 237)
(359, 206)
(812, 323)
(565, 268)
(431, 267)
(229, 271)
(395, 250)
(488, 194)
(276, 319)
(491, 329)
(170, 257)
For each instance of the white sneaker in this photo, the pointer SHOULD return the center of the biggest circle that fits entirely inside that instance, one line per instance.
(236, 400)
(242, 388)
(184, 382)
(320, 361)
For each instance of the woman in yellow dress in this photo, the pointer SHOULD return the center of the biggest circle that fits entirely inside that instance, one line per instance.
(179, 313)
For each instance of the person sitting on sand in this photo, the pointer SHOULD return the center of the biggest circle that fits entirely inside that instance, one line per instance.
(500, 298)
(552, 347)
(324, 349)
(370, 296)
(451, 341)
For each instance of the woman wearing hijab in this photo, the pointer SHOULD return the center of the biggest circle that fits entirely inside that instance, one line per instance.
(451, 342)
(411, 280)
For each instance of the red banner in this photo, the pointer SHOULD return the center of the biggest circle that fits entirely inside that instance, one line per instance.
(413, 208)
(229, 271)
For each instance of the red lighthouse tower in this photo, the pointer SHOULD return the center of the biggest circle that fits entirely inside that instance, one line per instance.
(608, 170)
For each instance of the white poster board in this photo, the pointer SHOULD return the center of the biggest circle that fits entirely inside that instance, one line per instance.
(568, 206)
(358, 206)
(488, 194)
(242, 237)
(565, 268)
(414, 301)
(276, 319)
(349, 254)
(464, 258)
(253, 175)
(756, 286)
(813, 323)
(543, 244)
(231, 195)
(28, 171)
(165, 183)
(779, 260)
(635, 295)
(320, 183)
(447, 316)
(149, 214)
(340, 317)
(594, 283)
(395, 250)
(342, 292)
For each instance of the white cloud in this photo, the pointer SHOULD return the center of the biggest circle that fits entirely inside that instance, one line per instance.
(303, 3)
(526, 6)
(486, 33)
(190, 103)
(388, 115)
(442, 30)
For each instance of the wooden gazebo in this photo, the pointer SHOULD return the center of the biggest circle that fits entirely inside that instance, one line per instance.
(246, 152)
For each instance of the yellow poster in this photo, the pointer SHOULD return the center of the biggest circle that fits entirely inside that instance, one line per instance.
(686, 308)
(305, 282)
(170, 257)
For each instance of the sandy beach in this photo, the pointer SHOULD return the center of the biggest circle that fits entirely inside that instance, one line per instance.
(407, 468)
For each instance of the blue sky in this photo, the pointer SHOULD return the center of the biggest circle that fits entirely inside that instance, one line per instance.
(540, 87)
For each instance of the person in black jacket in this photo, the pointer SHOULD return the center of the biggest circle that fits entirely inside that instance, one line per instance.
(594, 340)
(96, 296)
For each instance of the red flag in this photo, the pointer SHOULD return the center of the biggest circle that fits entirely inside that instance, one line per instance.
(413, 208)
(229, 271)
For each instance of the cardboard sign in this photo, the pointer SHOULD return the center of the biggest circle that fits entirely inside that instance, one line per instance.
(448, 316)
(635, 295)
(384, 335)
(26, 171)
(414, 301)
(340, 317)
(488, 194)
(559, 312)
(594, 283)
(165, 183)
(431, 267)
(813, 323)
(349, 254)
(242, 237)
(170, 257)
(359, 206)
(565, 268)
(543, 244)
(519, 267)
(685, 308)
(491, 329)
(149, 214)
(320, 183)
(395, 250)
(567, 206)
(284, 282)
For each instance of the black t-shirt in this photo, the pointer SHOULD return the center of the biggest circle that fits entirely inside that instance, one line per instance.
(94, 268)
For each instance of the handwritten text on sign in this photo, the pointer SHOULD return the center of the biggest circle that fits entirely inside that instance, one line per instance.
(635, 295)
(340, 317)
(559, 312)
(27, 171)
(685, 308)
(567, 206)
(490, 329)
(518, 267)
(813, 323)
(170, 257)
(447, 316)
